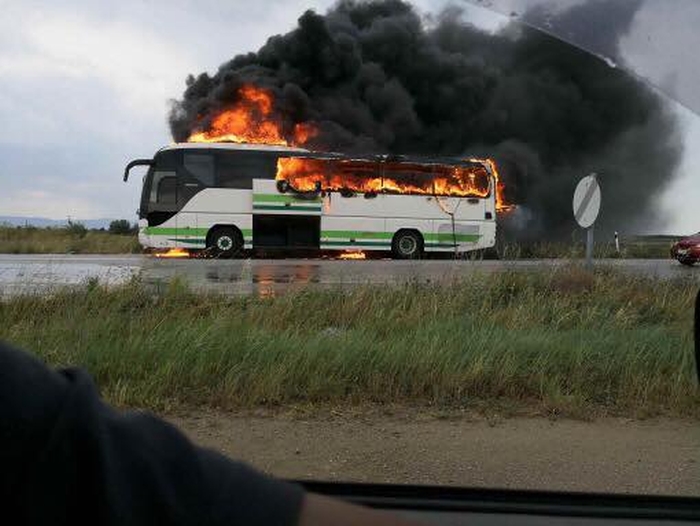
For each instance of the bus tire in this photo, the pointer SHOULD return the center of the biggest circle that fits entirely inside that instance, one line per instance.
(225, 242)
(407, 244)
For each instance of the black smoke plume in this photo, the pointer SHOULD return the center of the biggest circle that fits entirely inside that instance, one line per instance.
(376, 77)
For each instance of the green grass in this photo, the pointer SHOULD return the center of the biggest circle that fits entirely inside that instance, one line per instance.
(31, 240)
(565, 341)
(631, 247)
(66, 240)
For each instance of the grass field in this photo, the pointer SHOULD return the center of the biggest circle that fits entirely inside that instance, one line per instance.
(31, 240)
(565, 342)
(631, 247)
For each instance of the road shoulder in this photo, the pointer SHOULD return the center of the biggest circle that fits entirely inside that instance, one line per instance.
(658, 456)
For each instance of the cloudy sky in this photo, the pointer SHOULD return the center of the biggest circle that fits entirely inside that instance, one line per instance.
(85, 88)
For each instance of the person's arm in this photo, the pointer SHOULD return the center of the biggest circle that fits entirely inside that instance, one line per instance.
(69, 458)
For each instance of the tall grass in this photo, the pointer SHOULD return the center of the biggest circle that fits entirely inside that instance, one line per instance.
(31, 240)
(566, 341)
(632, 247)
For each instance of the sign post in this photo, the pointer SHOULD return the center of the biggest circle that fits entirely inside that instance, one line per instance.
(586, 208)
(589, 246)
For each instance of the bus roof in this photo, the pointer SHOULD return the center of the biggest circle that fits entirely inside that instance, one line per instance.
(232, 146)
(401, 159)
(442, 160)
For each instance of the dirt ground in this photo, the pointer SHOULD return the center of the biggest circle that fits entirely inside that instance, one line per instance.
(659, 456)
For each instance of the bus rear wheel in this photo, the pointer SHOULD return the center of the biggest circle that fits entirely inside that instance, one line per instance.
(225, 242)
(407, 244)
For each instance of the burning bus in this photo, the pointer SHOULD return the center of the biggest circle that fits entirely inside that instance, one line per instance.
(223, 198)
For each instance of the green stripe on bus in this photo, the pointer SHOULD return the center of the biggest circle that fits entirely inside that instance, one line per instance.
(199, 241)
(168, 231)
(293, 208)
(357, 234)
(441, 239)
(327, 243)
(439, 245)
(353, 234)
(449, 238)
(277, 198)
(358, 243)
(186, 232)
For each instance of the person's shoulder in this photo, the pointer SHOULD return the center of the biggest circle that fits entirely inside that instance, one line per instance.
(26, 384)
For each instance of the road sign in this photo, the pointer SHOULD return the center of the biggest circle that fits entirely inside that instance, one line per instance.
(586, 208)
(587, 201)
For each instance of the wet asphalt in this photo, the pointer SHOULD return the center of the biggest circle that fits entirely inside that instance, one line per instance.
(46, 273)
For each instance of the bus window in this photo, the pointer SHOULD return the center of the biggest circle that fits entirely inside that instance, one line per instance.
(168, 160)
(238, 169)
(201, 167)
(462, 180)
(164, 188)
(408, 178)
(353, 175)
(436, 179)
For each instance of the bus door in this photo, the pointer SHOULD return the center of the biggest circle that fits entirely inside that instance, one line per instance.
(161, 207)
(195, 175)
(283, 218)
(170, 188)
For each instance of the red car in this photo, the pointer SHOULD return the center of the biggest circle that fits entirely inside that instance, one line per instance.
(687, 250)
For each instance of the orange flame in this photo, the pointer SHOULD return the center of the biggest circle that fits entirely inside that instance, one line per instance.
(252, 120)
(501, 204)
(173, 253)
(308, 174)
(353, 254)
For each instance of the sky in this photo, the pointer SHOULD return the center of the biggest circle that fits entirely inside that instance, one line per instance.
(85, 88)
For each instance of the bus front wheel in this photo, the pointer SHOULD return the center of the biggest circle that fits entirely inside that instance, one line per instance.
(225, 242)
(407, 244)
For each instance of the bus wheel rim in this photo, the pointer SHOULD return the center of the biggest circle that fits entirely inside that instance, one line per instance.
(407, 245)
(224, 243)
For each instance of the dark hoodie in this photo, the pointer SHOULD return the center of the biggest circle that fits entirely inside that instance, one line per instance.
(68, 458)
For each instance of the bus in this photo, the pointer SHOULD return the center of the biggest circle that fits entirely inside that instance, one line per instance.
(224, 198)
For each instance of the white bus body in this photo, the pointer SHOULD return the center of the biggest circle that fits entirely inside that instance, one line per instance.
(188, 200)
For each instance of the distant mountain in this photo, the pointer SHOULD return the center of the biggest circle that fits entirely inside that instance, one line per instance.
(44, 222)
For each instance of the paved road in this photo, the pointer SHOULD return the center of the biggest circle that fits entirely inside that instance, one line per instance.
(40, 273)
(47, 272)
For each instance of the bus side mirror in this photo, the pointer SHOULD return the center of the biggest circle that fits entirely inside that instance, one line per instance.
(136, 162)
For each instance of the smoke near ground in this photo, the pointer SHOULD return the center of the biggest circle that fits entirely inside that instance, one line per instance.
(375, 77)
